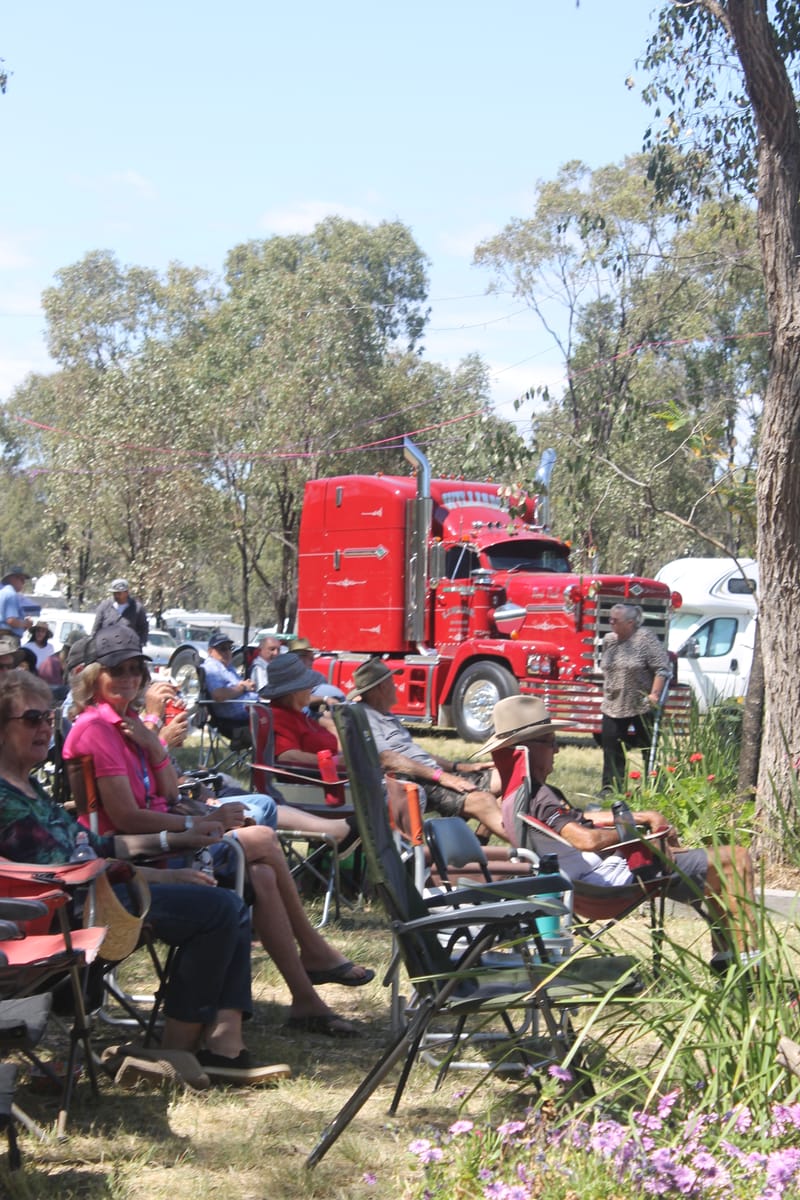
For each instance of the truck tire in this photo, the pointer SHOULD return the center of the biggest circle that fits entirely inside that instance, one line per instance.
(183, 672)
(477, 690)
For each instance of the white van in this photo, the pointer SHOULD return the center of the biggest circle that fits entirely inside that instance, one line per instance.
(713, 633)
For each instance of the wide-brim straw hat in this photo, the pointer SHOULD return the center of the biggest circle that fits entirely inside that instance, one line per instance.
(518, 719)
(123, 928)
(287, 673)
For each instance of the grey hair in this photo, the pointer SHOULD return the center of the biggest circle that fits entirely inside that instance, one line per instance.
(631, 612)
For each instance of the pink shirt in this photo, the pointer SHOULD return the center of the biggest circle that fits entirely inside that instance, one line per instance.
(96, 731)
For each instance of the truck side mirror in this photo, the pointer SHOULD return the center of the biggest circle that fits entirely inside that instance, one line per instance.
(689, 649)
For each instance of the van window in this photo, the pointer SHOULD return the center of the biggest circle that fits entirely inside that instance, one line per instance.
(716, 637)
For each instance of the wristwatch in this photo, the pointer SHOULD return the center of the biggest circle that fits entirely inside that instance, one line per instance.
(188, 823)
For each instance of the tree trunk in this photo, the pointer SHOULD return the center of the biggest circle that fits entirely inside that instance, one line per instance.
(778, 488)
(752, 725)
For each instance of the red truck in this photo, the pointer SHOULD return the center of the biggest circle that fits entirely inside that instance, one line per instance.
(459, 587)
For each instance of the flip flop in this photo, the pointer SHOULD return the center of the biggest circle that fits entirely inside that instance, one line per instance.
(341, 974)
(327, 1023)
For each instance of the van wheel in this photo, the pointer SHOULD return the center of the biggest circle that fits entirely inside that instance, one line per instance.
(477, 690)
(183, 672)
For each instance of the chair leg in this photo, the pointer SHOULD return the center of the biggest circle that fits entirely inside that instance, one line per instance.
(368, 1085)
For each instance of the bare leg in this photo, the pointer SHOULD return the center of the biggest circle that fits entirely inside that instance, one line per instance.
(485, 807)
(729, 893)
(295, 818)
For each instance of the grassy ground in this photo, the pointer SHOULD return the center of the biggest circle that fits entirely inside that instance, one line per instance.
(249, 1145)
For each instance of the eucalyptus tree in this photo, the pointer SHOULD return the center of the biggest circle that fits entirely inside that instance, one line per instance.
(728, 76)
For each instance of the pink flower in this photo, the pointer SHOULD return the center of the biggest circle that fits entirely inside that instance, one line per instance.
(461, 1127)
(671, 770)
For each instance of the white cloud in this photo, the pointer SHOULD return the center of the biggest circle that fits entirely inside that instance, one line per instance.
(12, 255)
(135, 182)
(461, 244)
(309, 213)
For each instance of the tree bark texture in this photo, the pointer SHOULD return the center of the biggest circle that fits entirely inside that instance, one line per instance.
(778, 489)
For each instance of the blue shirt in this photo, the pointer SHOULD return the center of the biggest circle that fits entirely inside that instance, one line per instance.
(219, 676)
(10, 606)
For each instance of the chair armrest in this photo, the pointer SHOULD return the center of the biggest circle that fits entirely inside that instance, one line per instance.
(12, 910)
(500, 913)
(519, 887)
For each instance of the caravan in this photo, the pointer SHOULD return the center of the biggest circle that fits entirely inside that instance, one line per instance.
(714, 632)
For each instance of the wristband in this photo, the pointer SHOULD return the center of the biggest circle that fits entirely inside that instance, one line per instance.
(163, 840)
(153, 721)
(188, 823)
(455, 766)
(437, 774)
(160, 765)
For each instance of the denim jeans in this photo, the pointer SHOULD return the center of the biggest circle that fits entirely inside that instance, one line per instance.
(211, 928)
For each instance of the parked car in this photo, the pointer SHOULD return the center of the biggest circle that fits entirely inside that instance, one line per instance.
(159, 648)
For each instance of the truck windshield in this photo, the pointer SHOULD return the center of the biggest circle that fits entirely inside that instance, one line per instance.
(528, 556)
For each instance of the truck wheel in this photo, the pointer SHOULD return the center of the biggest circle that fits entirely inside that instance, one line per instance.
(477, 691)
(183, 671)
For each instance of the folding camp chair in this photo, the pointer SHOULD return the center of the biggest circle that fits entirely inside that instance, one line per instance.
(313, 856)
(591, 903)
(32, 961)
(461, 991)
(215, 728)
(140, 1010)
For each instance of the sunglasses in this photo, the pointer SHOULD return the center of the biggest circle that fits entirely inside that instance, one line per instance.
(35, 716)
(132, 666)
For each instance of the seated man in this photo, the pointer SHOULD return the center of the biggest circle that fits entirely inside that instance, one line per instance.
(452, 789)
(229, 693)
(724, 878)
(269, 647)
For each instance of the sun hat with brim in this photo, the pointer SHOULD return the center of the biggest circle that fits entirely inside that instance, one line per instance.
(42, 625)
(112, 645)
(9, 644)
(518, 719)
(12, 571)
(288, 673)
(301, 645)
(368, 676)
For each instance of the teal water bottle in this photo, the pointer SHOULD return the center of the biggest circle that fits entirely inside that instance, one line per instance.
(549, 925)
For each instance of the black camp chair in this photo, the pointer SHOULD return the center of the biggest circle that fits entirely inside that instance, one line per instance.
(461, 990)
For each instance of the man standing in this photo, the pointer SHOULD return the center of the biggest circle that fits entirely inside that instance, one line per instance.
(453, 789)
(268, 648)
(122, 606)
(12, 615)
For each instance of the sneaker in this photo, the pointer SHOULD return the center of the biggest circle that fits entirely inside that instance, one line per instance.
(240, 1070)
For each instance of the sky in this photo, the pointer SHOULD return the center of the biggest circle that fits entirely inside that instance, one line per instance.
(169, 130)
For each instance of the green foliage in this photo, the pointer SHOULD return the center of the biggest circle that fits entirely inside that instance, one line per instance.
(658, 327)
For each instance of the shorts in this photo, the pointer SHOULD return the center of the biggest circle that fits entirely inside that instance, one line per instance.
(449, 803)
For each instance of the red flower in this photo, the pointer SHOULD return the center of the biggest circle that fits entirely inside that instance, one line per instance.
(672, 770)
(696, 757)
(711, 778)
(635, 774)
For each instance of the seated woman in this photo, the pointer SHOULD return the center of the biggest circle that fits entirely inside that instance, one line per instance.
(298, 736)
(136, 785)
(209, 989)
(260, 808)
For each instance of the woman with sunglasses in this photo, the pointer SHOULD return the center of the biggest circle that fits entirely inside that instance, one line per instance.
(137, 785)
(209, 989)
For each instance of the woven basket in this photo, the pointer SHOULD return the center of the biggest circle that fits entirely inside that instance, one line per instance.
(123, 927)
